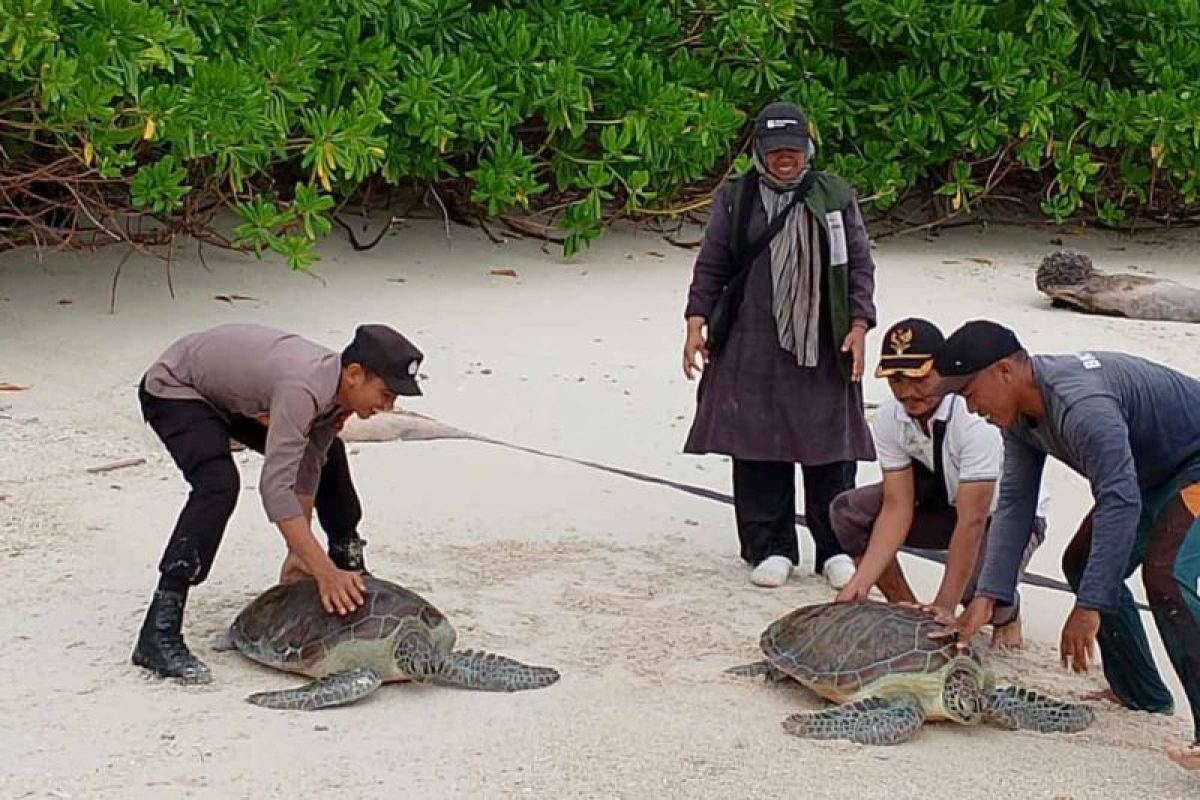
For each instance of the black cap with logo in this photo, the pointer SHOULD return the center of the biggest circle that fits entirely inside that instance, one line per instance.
(386, 353)
(781, 125)
(970, 349)
(908, 349)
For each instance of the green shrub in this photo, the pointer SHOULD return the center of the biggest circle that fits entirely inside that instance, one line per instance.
(116, 111)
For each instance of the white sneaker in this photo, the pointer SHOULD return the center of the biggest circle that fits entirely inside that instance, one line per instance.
(773, 571)
(838, 570)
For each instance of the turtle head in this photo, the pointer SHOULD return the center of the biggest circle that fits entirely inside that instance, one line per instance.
(963, 697)
(415, 656)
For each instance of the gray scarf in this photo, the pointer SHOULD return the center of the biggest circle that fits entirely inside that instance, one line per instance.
(795, 267)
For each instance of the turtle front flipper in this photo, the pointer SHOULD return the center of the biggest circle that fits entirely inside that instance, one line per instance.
(488, 672)
(872, 720)
(1015, 708)
(332, 690)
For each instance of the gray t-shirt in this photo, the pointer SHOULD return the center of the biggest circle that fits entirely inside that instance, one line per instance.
(1124, 423)
(256, 371)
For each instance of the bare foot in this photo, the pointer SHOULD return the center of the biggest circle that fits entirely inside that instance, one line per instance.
(1008, 637)
(1105, 695)
(1186, 757)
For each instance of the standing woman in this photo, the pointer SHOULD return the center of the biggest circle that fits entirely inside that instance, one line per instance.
(782, 351)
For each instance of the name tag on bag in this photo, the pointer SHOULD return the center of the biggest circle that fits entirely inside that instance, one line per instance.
(837, 237)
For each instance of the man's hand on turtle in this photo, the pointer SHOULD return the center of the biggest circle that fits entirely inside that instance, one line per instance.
(293, 569)
(341, 591)
(853, 592)
(962, 630)
(938, 614)
(1078, 642)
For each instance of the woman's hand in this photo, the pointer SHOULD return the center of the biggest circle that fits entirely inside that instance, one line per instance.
(855, 343)
(695, 350)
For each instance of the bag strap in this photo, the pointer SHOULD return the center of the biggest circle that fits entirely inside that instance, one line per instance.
(739, 211)
(939, 437)
(741, 218)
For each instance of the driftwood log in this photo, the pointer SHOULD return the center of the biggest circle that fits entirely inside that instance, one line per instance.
(1071, 281)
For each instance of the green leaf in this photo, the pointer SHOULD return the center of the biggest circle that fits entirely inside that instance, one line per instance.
(159, 187)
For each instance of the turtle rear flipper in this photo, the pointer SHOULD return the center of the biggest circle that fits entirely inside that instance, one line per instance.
(222, 641)
(488, 672)
(872, 720)
(1015, 708)
(332, 690)
(758, 669)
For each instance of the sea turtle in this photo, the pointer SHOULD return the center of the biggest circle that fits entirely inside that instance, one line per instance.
(395, 635)
(877, 661)
(1070, 280)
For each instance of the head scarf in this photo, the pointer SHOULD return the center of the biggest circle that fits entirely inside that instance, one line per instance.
(795, 263)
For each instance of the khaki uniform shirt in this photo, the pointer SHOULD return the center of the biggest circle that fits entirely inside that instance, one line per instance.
(256, 371)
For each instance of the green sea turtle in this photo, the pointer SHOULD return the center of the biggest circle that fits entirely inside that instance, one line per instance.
(395, 635)
(1070, 280)
(877, 661)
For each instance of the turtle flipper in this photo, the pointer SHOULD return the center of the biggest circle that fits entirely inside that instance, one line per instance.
(332, 690)
(758, 669)
(488, 672)
(1015, 708)
(222, 641)
(872, 720)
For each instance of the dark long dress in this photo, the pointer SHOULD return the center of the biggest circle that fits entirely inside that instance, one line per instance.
(757, 405)
(754, 401)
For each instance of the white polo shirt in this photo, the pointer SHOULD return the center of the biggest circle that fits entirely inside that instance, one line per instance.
(973, 449)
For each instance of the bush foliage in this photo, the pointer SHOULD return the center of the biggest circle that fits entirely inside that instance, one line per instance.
(119, 112)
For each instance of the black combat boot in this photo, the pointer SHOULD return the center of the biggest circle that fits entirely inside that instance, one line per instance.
(347, 554)
(160, 647)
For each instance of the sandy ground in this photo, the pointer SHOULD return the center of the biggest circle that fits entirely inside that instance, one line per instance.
(634, 591)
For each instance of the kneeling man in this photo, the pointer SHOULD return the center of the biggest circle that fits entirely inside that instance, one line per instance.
(940, 467)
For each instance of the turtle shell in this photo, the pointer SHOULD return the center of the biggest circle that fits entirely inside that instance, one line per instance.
(838, 649)
(286, 627)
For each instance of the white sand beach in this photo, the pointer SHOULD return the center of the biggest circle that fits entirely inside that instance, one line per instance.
(634, 591)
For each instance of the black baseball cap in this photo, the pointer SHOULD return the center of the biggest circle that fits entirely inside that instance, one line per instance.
(970, 349)
(781, 125)
(908, 348)
(385, 352)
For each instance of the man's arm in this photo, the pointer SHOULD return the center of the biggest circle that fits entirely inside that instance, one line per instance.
(309, 474)
(971, 507)
(896, 512)
(1012, 523)
(307, 502)
(1097, 431)
(291, 415)
(293, 565)
(890, 529)
(980, 452)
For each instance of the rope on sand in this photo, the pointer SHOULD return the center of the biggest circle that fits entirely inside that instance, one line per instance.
(1029, 578)
(410, 426)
